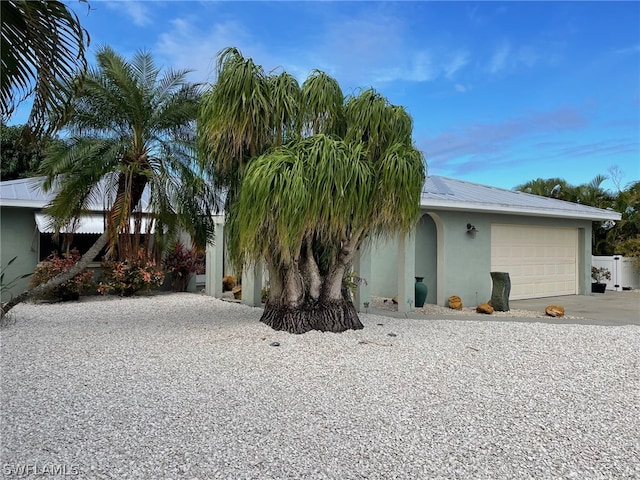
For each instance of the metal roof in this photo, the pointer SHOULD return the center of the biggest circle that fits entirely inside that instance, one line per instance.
(28, 193)
(448, 194)
(437, 193)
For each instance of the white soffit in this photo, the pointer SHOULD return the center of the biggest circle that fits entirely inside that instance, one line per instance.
(87, 224)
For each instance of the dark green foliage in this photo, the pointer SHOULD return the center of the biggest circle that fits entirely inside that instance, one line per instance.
(43, 47)
(608, 239)
(21, 156)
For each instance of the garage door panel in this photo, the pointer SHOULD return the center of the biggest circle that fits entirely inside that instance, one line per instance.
(541, 261)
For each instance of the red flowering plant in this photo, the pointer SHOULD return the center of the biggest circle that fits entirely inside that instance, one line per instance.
(181, 263)
(126, 277)
(53, 266)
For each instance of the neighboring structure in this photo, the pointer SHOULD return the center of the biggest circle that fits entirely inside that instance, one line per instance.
(26, 233)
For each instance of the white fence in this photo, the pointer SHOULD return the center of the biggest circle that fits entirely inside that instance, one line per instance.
(622, 273)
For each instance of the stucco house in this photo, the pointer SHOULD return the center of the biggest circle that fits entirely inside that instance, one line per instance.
(465, 231)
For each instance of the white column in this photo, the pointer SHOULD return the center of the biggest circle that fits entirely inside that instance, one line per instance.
(406, 272)
(215, 263)
(252, 285)
(362, 267)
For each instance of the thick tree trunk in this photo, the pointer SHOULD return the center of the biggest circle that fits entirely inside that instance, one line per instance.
(308, 299)
(336, 316)
(56, 281)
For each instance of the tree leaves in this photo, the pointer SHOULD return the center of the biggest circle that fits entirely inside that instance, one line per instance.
(43, 51)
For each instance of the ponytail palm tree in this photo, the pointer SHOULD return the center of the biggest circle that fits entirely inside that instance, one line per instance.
(328, 176)
(132, 129)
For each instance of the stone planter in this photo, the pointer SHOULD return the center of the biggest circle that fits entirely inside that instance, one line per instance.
(598, 287)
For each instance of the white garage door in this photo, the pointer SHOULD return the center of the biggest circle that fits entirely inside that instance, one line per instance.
(541, 261)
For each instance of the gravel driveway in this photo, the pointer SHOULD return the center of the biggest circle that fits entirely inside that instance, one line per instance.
(184, 386)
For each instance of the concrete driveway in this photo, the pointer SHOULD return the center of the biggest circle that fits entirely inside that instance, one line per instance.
(609, 308)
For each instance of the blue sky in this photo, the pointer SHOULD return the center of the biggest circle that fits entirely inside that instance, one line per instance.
(500, 92)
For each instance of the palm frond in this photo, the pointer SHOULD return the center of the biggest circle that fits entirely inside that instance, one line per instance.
(43, 48)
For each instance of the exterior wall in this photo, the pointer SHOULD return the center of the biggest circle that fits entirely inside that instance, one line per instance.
(384, 267)
(18, 237)
(454, 262)
(468, 259)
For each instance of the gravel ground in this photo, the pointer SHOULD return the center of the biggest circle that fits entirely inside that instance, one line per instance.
(184, 386)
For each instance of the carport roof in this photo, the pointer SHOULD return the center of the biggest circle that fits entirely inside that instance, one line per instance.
(441, 193)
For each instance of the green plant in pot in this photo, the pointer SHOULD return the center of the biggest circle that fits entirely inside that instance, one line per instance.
(599, 274)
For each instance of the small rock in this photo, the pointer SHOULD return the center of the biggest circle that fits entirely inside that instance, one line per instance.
(275, 344)
(395, 300)
(455, 302)
(554, 311)
(392, 335)
(484, 308)
(380, 324)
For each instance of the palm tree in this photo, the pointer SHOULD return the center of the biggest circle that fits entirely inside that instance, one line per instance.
(624, 237)
(313, 177)
(548, 187)
(43, 50)
(132, 128)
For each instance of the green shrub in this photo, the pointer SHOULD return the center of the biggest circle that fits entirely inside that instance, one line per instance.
(52, 267)
(126, 277)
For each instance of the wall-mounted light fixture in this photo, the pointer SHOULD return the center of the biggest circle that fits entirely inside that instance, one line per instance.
(472, 230)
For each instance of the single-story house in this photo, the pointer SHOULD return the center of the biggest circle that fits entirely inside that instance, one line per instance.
(465, 232)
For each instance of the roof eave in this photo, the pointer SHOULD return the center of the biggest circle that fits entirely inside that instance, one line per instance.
(11, 202)
(597, 215)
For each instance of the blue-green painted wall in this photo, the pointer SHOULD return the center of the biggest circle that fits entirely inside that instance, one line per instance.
(454, 262)
(18, 237)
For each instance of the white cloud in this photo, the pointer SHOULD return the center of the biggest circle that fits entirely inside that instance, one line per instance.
(457, 61)
(188, 47)
(506, 58)
(136, 11)
(359, 52)
(499, 59)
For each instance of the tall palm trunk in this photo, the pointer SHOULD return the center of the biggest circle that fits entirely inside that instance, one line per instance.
(127, 242)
